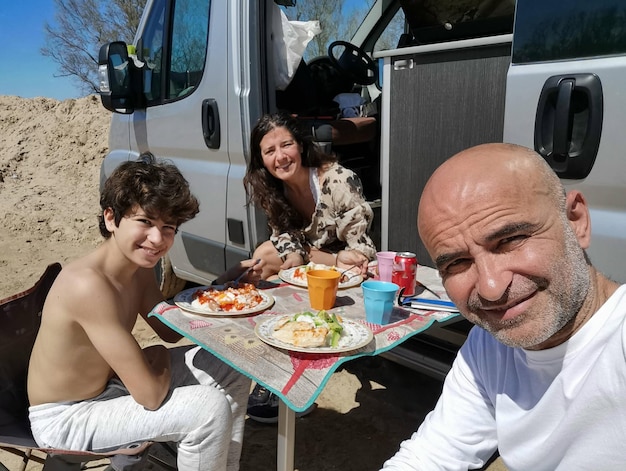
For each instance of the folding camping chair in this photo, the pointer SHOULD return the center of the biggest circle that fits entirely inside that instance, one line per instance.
(20, 318)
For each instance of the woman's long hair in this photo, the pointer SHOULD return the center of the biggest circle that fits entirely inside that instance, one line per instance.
(266, 191)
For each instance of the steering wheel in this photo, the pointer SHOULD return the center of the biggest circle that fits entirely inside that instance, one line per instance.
(354, 62)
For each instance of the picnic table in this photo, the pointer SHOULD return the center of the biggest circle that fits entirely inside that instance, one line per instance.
(296, 377)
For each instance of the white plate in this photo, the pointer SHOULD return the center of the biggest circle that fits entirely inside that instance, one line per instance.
(184, 298)
(354, 336)
(287, 277)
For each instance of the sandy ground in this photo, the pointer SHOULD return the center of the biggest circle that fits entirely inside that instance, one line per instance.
(50, 154)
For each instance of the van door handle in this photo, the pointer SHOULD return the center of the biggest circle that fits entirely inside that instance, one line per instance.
(403, 64)
(562, 113)
(211, 123)
(568, 123)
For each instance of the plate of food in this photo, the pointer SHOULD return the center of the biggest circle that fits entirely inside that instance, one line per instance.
(309, 332)
(297, 275)
(226, 300)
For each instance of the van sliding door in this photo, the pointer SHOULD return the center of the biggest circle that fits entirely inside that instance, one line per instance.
(566, 99)
(443, 91)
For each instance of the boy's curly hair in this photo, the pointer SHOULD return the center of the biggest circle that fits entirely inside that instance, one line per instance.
(157, 187)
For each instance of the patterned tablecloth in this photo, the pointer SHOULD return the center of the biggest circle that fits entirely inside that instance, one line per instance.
(297, 378)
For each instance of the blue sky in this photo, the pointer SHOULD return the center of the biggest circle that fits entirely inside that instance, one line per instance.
(23, 70)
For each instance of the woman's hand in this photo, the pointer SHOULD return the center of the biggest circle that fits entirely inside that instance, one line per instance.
(292, 260)
(253, 267)
(352, 258)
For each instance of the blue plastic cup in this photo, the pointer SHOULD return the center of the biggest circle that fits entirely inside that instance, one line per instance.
(378, 297)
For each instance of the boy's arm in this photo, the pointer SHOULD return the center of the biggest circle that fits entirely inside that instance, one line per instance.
(152, 297)
(106, 320)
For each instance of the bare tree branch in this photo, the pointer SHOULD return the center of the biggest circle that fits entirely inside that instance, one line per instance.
(81, 27)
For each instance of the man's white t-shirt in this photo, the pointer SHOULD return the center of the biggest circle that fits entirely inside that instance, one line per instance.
(562, 409)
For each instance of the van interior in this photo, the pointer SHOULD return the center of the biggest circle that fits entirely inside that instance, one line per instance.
(337, 95)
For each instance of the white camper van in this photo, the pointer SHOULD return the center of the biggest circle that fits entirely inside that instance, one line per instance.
(430, 78)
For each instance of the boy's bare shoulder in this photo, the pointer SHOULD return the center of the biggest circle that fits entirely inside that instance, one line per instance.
(84, 276)
(80, 285)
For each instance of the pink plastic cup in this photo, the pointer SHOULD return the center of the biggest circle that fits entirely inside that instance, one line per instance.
(385, 265)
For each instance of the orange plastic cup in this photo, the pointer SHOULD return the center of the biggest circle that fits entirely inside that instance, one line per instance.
(322, 286)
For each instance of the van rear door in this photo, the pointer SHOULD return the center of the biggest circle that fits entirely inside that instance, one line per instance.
(566, 98)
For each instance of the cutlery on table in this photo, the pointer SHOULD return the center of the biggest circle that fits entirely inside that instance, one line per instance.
(350, 276)
(430, 304)
(245, 272)
(419, 283)
(418, 302)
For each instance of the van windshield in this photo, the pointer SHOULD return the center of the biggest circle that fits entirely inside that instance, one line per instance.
(338, 19)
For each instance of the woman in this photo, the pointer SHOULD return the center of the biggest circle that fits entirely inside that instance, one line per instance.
(315, 207)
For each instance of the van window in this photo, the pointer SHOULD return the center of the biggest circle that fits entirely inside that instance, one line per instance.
(189, 46)
(392, 33)
(150, 51)
(546, 31)
(175, 61)
(434, 21)
(338, 20)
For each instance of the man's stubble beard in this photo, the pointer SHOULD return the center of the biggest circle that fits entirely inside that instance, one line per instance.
(566, 291)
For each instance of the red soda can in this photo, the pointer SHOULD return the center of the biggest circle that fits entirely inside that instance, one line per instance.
(403, 274)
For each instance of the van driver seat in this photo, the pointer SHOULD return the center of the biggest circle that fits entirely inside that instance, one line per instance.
(342, 131)
(311, 97)
(354, 140)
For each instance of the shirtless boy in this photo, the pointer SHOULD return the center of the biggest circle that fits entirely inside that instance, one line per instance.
(90, 385)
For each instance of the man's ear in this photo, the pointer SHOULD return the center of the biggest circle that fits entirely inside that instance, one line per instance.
(578, 217)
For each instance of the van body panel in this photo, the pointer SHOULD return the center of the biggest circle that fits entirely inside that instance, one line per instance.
(441, 102)
(605, 186)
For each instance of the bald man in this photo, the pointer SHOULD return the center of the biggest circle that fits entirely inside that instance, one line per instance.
(542, 376)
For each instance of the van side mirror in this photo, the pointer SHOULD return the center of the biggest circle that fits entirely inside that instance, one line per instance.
(115, 77)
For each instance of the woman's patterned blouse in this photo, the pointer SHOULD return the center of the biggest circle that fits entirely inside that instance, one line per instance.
(340, 221)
